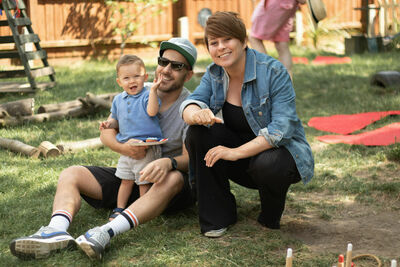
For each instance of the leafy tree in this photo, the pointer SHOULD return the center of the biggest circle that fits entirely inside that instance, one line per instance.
(128, 18)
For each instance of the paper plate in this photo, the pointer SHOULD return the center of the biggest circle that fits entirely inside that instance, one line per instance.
(151, 143)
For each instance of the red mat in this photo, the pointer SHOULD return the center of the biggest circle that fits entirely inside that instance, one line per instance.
(345, 124)
(300, 60)
(326, 60)
(384, 136)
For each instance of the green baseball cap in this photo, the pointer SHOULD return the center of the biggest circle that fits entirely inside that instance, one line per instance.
(183, 46)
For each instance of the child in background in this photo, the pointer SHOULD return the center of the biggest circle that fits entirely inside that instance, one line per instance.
(134, 112)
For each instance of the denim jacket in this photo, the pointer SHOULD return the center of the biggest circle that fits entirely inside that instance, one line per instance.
(268, 101)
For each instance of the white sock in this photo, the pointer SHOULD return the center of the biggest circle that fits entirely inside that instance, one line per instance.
(60, 220)
(122, 223)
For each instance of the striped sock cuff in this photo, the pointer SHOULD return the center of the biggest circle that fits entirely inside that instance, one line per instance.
(63, 213)
(133, 221)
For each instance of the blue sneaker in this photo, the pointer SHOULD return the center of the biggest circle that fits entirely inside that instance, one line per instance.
(94, 242)
(41, 244)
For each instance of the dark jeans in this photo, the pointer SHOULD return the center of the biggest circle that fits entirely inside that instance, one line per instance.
(271, 172)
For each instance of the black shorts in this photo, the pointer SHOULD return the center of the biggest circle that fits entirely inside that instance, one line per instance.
(110, 185)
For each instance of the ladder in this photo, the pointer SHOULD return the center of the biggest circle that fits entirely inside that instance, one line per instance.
(20, 40)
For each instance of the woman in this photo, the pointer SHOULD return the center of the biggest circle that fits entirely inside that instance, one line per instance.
(253, 135)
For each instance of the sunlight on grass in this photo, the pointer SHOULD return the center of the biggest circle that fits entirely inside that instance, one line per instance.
(345, 176)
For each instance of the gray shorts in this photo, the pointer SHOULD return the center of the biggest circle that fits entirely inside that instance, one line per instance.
(129, 168)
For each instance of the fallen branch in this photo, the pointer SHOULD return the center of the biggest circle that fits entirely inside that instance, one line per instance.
(19, 147)
(80, 145)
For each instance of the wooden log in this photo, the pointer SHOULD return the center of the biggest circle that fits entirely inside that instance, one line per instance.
(52, 116)
(23, 107)
(48, 149)
(59, 106)
(71, 104)
(98, 101)
(80, 145)
(19, 147)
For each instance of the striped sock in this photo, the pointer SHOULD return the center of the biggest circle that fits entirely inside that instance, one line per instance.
(122, 223)
(60, 220)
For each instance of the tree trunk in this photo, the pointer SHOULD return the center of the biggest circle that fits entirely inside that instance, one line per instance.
(79, 145)
(19, 147)
(23, 107)
(48, 149)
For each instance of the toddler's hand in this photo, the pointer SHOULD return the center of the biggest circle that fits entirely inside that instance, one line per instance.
(104, 125)
(156, 83)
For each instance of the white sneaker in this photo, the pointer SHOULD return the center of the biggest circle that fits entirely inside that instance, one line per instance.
(41, 244)
(94, 242)
(216, 233)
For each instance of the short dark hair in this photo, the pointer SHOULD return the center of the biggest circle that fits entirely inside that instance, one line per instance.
(127, 60)
(225, 24)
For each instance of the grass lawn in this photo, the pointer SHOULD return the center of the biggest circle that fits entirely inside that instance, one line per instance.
(354, 196)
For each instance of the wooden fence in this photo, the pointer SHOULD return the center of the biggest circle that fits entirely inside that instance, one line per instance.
(81, 28)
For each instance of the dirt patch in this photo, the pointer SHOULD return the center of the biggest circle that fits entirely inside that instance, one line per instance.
(369, 231)
(372, 228)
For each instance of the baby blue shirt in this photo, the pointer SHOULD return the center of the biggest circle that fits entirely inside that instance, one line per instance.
(131, 113)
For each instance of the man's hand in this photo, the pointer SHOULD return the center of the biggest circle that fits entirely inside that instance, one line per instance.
(204, 117)
(156, 171)
(135, 152)
(220, 152)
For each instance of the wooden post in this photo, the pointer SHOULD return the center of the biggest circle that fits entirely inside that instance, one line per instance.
(19, 147)
(382, 25)
(48, 149)
(299, 28)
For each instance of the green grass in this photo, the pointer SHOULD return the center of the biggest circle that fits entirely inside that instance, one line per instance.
(364, 174)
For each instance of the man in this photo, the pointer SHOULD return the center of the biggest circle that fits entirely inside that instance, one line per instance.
(99, 185)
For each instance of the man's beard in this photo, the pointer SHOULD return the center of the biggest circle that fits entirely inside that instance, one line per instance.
(176, 85)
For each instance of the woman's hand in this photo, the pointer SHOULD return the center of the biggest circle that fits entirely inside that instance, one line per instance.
(156, 171)
(221, 152)
(204, 117)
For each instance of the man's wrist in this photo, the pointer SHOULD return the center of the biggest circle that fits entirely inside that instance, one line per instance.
(174, 163)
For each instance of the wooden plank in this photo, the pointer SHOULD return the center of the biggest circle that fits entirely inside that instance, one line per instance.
(20, 87)
(9, 54)
(29, 55)
(42, 72)
(3, 23)
(6, 39)
(12, 74)
(21, 21)
(12, 4)
(28, 38)
(45, 85)
(15, 87)
(36, 55)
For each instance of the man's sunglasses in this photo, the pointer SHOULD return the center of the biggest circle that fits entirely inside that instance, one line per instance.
(175, 65)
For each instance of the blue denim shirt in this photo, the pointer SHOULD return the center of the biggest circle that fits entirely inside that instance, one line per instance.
(268, 102)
